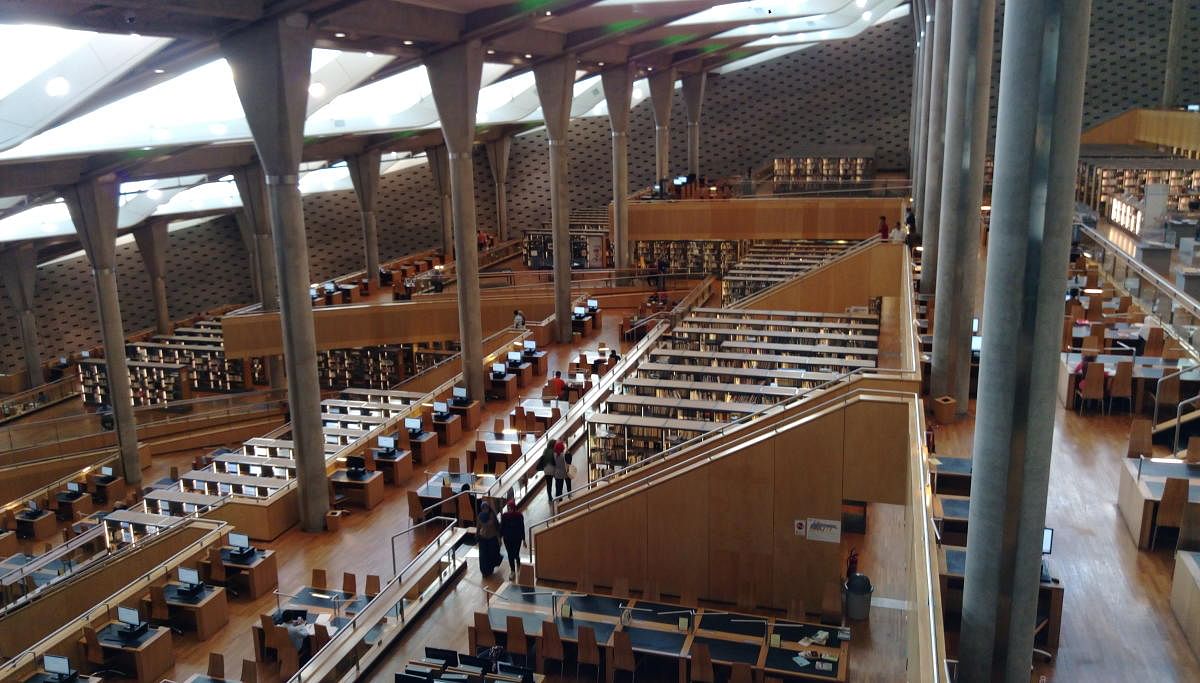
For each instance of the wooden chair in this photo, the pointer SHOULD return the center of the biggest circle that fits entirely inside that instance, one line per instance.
(320, 637)
(249, 671)
(484, 635)
(518, 643)
(1172, 350)
(10, 521)
(349, 583)
(741, 673)
(589, 652)
(702, 667)
(620, 587)
(289, 657)
(1154, 342)
(319, 579)
(449, 506)
(1093, 387)
(454, 466)
(174, 473)
(94, 653)
(498, 426)
(831, 604)
(465, 510)
(372, 587)
(622, 651)
(1121, 384)
(552, 647)
(1170, 508)
(1095, 308)
(1166, 395)
(415, 513)
(525, 576)
(216, 665)
(501, 468)
(1141, 438)
(1093, 346)
(1124, 303)
(160, 612)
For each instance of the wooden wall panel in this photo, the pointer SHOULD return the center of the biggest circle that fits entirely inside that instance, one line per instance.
(739, 520)
(616, 538)
(562, 551)
(875, 465)
(762, 218)
(677, 534)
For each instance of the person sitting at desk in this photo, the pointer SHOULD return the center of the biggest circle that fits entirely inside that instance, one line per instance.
(297, 630)
(558, 386)
(1081, 370)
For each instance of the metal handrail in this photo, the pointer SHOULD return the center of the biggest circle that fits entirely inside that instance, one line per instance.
(1158, 387)
(1179, 416)
(395, 571)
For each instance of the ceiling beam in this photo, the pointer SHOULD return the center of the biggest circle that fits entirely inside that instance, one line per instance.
(243, 10)
(393, 20)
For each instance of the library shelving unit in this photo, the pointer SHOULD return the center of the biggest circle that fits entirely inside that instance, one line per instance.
(151, 383)
(209, 369)
(769, 262)
(591, 242)
(714, 257)
(1101, 178)
(819, 167)
(372, 367)
(616, 441)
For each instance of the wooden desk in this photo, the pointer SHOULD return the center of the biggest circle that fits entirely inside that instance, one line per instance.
(1185, 596)
(205, 615)
(107, 489)
(470, 414)
(539, 360)
(449, 431)
(582, 325)
(496, 451)
(524, 373)
(260, 575)
(431, 491)
(424, 448)
(328, 604)
(43, 677)
(396, 468)
(1138, 494)
(71, 503)
(366, 492)
(147, 658)
(503, 389)
(37, 526)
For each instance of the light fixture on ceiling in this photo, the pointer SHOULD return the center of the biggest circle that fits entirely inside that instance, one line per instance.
(528, 56)
(548, 13)
(649, 68)
(58, 200)
(599, 63)
(408, 42)
(226, 178)
(339, 34)
(316, 89)
(58, 86)
(160, 71)
(491, 51)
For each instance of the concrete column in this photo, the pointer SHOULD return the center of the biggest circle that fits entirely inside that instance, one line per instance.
(151, 238)
(497, 154)
(967, 91)
(93, 207)
(662, 93)
(270, 63)
(1042, 72)
(256, 215)
(246, 232)
(693, 97)
(439, 166)
(555, 80)
(1179, 22)
(364, 174)
(934, 147)
(618, 94)
(18, 268)
(922, 126)
(454, 75)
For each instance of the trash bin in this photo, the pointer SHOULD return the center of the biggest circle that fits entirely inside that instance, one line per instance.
(858, 597)
(944, 408)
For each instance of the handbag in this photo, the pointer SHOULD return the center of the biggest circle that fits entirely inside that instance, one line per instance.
(570, 471)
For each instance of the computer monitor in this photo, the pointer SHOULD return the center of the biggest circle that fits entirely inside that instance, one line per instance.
(579, 310)
(128, 616)
(459, 392)
(529, 345)
(412, 424)
(85, 354)
(355, 463)
(106, 471)
(32, 505)
(190, 577)
(126, 535)
(440, 407)
(248, 490)
(514, 356)
(450, 657)
(254, 471)
(1047, 540)
(239, 541)
(53, 664)
(387, 442)
(231, 468)
(593, 304)
(74, 487)
(224, 489)
(498, 368)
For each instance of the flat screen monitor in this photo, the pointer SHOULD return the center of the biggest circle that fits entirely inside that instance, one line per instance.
(231, 468)
(529, 345)
(254, 471)
(53, 664)
(32, 505)
(106, 471)
(74, 487)
(514, 356)
(249, 490)
(126, 535)
(412, 424)
(85, 354)
(224, 489)
(440, 407)
(579, 310)
(593, 304)
(1047, 540)
(387, 442)
(189, 576)
(128, 616)
(354, 462)
(498, 368)
(450, 657)
(460, 392)
(239, 540)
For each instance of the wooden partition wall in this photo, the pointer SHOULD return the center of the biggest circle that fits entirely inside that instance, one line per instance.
(852, 280)
(763, 218)
(1176, 129)
(722, 527)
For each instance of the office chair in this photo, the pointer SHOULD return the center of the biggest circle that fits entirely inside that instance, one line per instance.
(702, 667)
(589, 652)
(552, 647)
(94, 654)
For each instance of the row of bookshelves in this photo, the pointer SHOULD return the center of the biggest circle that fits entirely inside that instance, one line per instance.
(1098, 181)
(689, 256)
(379, 367)
(209, 369)
(151, 383)
(768, 263)
(590, 248)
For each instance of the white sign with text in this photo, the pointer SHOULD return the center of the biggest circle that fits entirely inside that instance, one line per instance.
(826, 530)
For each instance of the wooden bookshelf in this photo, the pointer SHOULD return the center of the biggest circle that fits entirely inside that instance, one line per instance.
(151, 383)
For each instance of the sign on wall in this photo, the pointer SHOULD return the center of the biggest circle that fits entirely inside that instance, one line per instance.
(800, 525)
(825, 530)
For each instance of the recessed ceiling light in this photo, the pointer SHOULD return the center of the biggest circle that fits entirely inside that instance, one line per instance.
(58, 86)
(649, 68)
(160, 71)
(599, 63)
(491, 52)
(316, 89)
(548, 12)
(58, 200)
(339, 34)
(408, 42)
(528, 56)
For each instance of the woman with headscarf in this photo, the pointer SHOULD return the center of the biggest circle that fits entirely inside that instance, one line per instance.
(512, 530)
(489, 539)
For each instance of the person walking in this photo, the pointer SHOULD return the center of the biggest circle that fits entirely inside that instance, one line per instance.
(883, 228)
(546, 465)
(512, 530)
(562, 477)
(489, 539)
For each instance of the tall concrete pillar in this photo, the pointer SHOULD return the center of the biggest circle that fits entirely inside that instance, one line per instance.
(662, 93)
(93, 207)
(18, 268)
(967, 91)
(270, 63)
(439, 166)
(693, 97)
(618, 94)
(1175, 38)
(934, 147)
(1043, 65)
(364, 174)
(254, 221)
(555, 81)
(245, 228)
(151, 238)
(497, 153)
(922, 123)
(454, 75)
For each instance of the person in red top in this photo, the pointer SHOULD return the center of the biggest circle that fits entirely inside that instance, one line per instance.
(883, 228)
(557, 385)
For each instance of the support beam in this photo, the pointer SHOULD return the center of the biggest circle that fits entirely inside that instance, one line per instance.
(693, 97)
(967, 91)
(364, 174)
(922, 123)
(18, 268)
(555, 80)
(1179, 23)
(497, 153)
(439, 166)
(935, 147)
(618, 94)
(662, 94)
(246, 232)
(270, 63)
(1043, 66)
(151, 238)
(455, 75)
(93, 207)
(255, 214)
